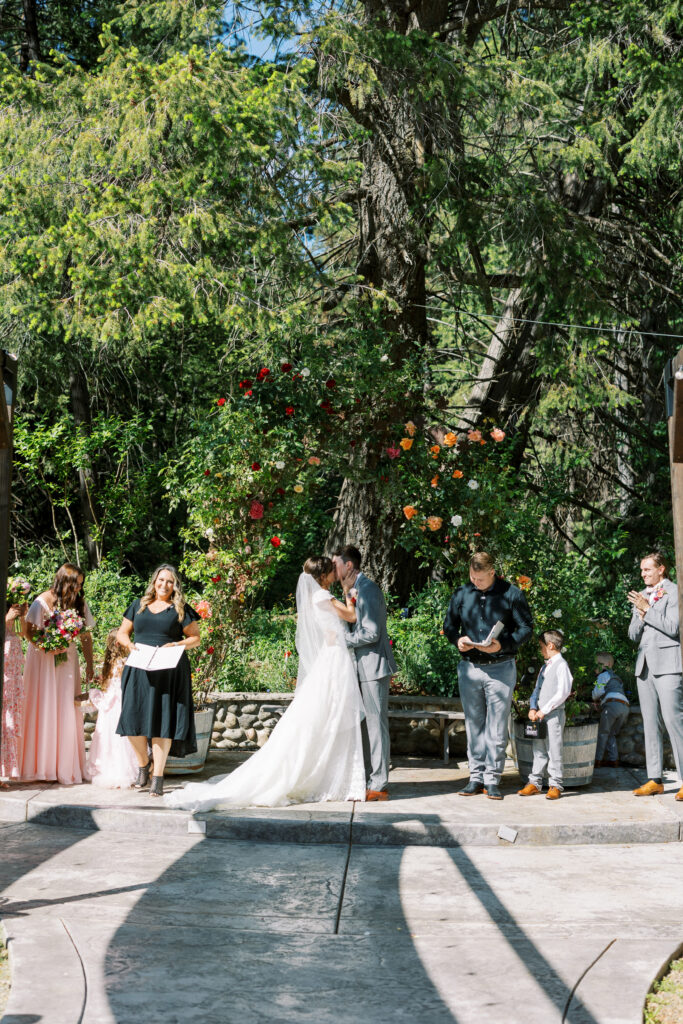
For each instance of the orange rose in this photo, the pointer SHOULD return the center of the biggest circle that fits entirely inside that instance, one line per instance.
(435, 480)
(435, 449)
(410, 428)
(434, 522)
(409, 511)
(406, 443)
(457, 474)
(524, 582)
(474, 435)
(450, 439)
(497, 434)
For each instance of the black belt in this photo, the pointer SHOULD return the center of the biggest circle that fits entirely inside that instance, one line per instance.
(489, 659)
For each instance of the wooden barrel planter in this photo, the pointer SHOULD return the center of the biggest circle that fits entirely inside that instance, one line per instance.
(578, 752)
(203, 723)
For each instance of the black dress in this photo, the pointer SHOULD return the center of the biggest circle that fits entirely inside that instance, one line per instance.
(159, 704)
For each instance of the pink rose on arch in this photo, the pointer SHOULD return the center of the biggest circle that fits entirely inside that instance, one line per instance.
(497, 434)
(393, 453)
(256, 510)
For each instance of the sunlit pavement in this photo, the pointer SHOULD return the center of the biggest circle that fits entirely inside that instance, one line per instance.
(129, 924)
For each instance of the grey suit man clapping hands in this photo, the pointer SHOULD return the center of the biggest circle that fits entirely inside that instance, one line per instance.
(369, 643)
(655, 627)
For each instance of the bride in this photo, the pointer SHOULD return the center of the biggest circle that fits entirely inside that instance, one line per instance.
(315, 751)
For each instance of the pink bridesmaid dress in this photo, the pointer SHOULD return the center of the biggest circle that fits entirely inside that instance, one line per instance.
(53, 743)
(12, 706)
(111, 761)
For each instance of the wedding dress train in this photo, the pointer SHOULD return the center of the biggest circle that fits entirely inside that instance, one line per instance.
(315, 751)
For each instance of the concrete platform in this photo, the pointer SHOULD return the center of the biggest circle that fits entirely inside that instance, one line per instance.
(424, 810)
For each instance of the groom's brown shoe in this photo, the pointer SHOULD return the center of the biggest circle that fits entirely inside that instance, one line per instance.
(376, 794)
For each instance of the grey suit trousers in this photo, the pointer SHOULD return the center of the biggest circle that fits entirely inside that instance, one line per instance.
(661, 702)
(375, 731)
(548, 752)
(486, 695)
(612, 717)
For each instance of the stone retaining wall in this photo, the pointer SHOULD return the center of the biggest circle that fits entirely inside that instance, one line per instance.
(244, 722)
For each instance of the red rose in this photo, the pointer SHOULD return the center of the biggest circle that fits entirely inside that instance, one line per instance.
(289, 410)
(210, 650)
(246, 383)
(275, 541)
(256, 510)
(330, 383)
(207, 472)
(221, 401)
(286, 367)
(263, 373)
(248, 394)
(215, 579)
(256, 466)
(280, 490)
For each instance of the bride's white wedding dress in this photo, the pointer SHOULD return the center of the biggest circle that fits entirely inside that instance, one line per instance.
(315, 751)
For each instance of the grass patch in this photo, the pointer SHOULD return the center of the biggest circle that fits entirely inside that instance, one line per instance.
(664, 1005)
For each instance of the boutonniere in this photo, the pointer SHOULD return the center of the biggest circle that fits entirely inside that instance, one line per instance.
(353, 594)
(658, 595)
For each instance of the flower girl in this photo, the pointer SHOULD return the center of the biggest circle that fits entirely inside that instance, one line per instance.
(111, 761)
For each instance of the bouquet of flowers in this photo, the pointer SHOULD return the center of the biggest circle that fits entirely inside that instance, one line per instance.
(18, 589)
(61, 628)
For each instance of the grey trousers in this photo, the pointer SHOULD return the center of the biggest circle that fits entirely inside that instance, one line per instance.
(612, 716)
(375, 731)
(486, 695)
(661, 702)
(548, 752)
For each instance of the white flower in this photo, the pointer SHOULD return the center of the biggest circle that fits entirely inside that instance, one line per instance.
(557, 614)
(472, 484)
(280, 465)
(384, 359)
(305, 372)
(456, 521)
(210, 535)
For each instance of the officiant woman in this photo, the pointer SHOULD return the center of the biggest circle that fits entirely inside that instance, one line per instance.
(158, 704)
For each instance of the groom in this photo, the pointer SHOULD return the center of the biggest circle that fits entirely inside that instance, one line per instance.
(369, 644)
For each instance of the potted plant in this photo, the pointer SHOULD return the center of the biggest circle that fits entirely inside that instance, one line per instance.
(204, 712)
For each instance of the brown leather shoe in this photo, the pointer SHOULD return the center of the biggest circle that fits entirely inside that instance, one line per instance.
(529, 790)
(679, 795)
(597, 764)
(376, 794)
(553, 793)
(649, 789)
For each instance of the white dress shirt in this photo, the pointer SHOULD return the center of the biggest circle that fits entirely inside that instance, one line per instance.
(557, 684)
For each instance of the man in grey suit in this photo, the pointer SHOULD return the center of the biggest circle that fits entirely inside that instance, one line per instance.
(655, 627)
(370, 647)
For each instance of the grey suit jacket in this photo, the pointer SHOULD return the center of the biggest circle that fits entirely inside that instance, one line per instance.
(368, 638)
(657, 635)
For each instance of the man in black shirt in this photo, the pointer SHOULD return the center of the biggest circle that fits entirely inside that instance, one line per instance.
(487, 674)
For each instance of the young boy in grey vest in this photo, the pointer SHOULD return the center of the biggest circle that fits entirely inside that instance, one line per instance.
(553, 686)
(609, 695)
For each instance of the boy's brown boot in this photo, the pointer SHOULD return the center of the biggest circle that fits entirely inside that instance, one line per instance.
(529, 790)
(553, 793)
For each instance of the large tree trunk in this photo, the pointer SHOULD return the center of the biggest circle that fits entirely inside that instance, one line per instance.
(30, 47)
(80, 407)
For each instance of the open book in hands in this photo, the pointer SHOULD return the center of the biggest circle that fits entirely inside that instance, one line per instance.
(496, 630)
(153, 659)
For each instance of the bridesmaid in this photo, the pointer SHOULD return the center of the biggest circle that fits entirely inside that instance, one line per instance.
(12, 695)
(53, 745)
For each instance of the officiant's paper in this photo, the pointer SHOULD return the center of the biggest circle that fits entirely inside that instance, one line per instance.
(154, 659)
(493, 635)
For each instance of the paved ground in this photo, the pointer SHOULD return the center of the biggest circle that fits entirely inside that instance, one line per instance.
(152, 925)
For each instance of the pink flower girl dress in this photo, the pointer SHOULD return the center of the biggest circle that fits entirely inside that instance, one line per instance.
(111, 761)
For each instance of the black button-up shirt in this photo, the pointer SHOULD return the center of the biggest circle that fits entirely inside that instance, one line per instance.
(473, 613)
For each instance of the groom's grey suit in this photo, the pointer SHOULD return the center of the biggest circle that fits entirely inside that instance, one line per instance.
(658, 674)
(369, 644)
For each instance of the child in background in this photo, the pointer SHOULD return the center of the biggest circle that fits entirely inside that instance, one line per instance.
(614, 708)
(553, 686)
(111, 761)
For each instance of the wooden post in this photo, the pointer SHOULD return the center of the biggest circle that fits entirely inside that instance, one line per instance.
(674, 385)
(8, 387)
